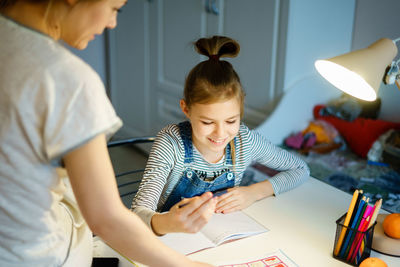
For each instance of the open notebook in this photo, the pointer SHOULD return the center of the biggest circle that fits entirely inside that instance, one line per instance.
(221, 228)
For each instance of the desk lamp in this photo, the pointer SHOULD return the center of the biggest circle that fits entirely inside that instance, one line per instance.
(359, 73)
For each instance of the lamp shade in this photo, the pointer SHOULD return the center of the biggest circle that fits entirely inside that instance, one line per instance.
(359, 73)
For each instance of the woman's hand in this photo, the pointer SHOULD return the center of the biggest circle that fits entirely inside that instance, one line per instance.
(200, 264)
(238, 198)
(187, 216)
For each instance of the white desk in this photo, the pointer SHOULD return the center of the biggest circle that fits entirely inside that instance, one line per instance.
(302, 224)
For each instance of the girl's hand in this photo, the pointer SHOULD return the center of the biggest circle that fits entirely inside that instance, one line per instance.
(238, 198)
(187, 216)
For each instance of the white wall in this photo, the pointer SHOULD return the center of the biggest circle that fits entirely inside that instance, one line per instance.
(317, 29)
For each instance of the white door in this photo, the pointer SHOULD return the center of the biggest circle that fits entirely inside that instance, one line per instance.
(151, 52)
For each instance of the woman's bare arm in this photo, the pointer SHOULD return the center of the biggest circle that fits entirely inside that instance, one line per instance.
(93, 182)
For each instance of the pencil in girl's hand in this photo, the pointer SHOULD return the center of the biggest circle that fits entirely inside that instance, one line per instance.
(346, 222)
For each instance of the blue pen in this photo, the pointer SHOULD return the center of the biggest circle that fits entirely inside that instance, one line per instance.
(216, 193)
(183, 205)
(219, 192)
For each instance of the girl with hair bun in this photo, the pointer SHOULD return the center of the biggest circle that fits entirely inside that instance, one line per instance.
(195, 168)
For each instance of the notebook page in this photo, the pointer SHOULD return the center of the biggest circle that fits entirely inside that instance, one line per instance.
(235, 225)
(186, 243)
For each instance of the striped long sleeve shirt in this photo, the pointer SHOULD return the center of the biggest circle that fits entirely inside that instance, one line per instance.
(165, 167)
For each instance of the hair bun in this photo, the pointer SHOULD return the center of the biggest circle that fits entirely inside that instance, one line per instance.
(217, 46)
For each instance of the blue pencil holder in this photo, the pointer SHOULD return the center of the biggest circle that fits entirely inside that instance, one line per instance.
(355, 246)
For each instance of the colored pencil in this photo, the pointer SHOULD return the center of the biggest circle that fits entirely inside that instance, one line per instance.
(350, 231)
(377, 207)
(346, 222)
(360, 234)
(363, 207)
(359, 240)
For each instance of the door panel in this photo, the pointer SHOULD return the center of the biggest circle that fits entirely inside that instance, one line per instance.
(152, 52)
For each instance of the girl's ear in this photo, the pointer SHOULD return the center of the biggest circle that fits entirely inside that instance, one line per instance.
(184, 107)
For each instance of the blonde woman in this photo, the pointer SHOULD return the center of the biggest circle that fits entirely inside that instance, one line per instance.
(55, 114)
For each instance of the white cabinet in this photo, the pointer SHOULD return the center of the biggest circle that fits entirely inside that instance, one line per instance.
(151, 52)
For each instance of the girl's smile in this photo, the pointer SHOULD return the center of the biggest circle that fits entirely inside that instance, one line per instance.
(214, 125)
(217, 142)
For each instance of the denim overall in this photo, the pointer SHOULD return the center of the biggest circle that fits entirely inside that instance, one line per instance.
(190, 185)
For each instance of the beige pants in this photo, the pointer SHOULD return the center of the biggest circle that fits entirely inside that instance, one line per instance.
(80, 251)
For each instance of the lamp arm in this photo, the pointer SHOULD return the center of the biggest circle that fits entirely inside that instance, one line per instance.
(397, 83)
(393, 74)
(396, 40)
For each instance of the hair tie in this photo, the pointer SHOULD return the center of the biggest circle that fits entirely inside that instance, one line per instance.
(214, 57)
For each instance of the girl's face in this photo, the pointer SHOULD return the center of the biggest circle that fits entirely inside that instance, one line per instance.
(87, 19)
(213, 126)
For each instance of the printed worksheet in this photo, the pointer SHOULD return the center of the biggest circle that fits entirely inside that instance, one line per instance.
(274, 259)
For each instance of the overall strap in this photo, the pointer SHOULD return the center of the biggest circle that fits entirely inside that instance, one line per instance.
(228, 152)
(185, 130)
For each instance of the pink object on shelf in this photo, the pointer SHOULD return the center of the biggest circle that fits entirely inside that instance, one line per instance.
(295, 140)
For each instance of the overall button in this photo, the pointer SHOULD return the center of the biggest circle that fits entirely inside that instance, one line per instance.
(189, 174)
(229, 176)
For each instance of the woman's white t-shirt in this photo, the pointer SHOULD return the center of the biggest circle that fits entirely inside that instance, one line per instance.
(51, 102)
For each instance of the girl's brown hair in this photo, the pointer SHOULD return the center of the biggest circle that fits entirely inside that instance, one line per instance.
(214, 80)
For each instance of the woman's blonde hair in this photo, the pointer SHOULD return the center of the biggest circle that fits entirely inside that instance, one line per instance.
(6, 3)
(52, 15)
(214, 80)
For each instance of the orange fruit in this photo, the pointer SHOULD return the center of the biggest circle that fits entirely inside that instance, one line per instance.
(373, 262)
(391, 225)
